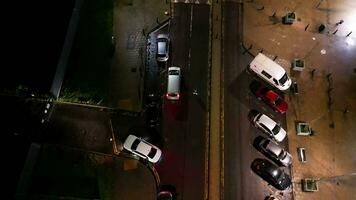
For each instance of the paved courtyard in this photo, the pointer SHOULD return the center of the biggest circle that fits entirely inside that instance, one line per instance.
(327, 86)
(132, 21)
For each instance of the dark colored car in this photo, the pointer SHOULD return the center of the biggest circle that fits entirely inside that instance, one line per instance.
(153, 114)
(165, 195)
(270, 97)
(167, 192)
(271, 173)
(273, 151)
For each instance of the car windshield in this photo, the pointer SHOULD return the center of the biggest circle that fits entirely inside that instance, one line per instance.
(282, 155)
(173, 72)
(152, 153)
(258, 117)
(135, 144)
(265, 143)
(276, 129)
(283, 79)
(278, 101)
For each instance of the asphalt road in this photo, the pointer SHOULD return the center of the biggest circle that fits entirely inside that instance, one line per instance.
(184, 122)
(239, 180)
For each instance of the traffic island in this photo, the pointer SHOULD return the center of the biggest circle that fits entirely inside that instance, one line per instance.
(309, 185)
(303, 128)
(298, 65)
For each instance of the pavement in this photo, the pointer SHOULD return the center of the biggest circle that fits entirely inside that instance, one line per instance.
(330, 153)
(85, 139)
(63, 172)
(215, 146)
(132, 21)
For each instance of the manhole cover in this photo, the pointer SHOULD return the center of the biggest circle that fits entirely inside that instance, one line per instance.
(332, 125)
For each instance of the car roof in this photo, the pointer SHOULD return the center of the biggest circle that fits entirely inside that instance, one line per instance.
(274, 148)
(270, 168)
(144, 148)
(271, 94)
(269, 65)
(173, 81)
(162, 47)
(268, 122)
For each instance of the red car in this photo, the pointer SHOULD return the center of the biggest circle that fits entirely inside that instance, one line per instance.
(269, 97)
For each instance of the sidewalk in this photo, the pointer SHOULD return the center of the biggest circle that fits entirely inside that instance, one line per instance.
(331, 151)
(214, 169)
(132, 20)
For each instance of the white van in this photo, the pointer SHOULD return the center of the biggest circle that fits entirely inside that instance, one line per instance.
(173, 87)
(270, 71)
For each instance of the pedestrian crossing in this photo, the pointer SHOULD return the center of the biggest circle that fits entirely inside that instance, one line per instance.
(192, 1)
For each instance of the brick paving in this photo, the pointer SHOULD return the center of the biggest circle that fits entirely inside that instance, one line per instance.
(132, 19)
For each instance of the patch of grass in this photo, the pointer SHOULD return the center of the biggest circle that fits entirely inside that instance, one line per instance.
(87, 76)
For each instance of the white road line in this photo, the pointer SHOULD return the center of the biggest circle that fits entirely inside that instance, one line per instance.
(192, 1)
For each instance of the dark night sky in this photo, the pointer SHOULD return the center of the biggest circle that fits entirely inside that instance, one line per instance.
(34, 35)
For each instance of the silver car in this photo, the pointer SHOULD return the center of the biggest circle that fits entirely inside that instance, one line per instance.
(273, 151)
(173, 84)
(162, 48)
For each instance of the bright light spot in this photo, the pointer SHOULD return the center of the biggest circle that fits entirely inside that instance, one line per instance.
(323, 52)
(350, 41)
(110, 139)
(313, 38)
(275, 173)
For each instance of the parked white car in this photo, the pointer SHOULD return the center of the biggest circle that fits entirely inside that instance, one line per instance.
(268, 126)
(142, 148)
